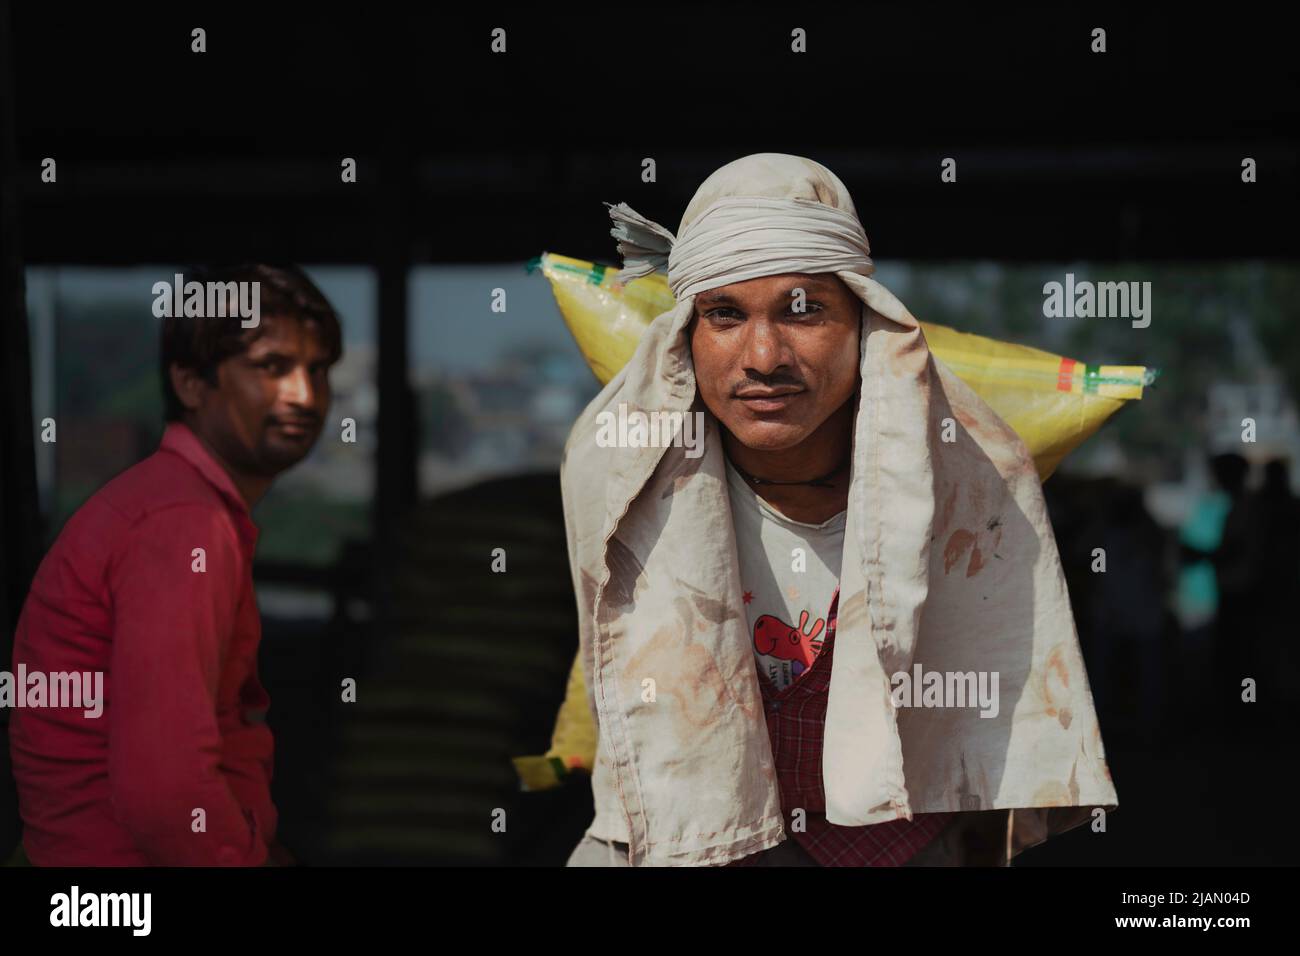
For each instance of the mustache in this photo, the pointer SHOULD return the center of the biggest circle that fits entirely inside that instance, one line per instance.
(303, 420)
(767, 382)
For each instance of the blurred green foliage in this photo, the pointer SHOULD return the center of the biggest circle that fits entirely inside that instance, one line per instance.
(1191, 338)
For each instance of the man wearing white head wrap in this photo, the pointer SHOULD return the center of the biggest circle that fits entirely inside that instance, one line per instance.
(949, 565)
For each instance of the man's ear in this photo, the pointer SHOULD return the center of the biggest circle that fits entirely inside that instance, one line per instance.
(188, 385)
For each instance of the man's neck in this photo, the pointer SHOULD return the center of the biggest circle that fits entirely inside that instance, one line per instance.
(824, 453)
(250, 487)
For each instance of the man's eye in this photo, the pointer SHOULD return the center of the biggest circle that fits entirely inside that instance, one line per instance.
(726, 314)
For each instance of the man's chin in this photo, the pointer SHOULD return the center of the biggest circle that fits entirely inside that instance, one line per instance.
(769, 436)
(277, 455)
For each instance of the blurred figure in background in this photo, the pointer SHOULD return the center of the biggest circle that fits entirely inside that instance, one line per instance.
(1126, 617)
(149, 589)
(1234, 561)
(1197, 595)
(1277, 511)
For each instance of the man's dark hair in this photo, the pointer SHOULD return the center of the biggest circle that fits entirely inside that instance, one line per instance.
(204, 343)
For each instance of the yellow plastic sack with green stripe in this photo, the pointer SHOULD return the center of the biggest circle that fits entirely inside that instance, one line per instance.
(1054, 403)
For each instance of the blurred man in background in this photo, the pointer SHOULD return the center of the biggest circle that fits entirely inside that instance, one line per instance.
(149, 586)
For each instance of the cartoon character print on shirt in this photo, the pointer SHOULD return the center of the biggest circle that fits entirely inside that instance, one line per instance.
(800, 646)
(774, 637)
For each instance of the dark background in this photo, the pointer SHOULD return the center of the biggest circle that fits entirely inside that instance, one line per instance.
(468, 157)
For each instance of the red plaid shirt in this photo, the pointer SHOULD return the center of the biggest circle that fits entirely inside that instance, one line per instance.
(796, 718)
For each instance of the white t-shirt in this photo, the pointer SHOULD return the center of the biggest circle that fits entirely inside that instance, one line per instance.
(788, 574)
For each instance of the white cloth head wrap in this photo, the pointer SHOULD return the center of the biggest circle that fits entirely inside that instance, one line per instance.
(739, 238)
(760, 215)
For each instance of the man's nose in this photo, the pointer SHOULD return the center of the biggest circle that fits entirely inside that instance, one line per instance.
(296, 388)
(764, 348)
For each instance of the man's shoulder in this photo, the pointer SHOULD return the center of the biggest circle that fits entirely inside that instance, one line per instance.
(159, 488)
(161, 482)
(158, 495)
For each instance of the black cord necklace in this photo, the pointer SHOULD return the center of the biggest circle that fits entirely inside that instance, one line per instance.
(819, 482)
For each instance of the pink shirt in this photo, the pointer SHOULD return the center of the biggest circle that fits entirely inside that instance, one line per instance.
(121, 592)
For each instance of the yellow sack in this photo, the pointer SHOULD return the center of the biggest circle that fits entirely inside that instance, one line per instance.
(1053, 403)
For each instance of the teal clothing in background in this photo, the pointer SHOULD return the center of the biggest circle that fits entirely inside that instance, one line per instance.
(1198, 594)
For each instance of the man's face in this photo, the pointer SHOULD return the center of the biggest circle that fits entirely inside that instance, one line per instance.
(269, 405)
(769, 374)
